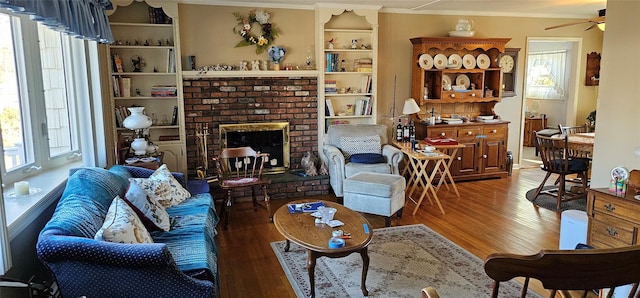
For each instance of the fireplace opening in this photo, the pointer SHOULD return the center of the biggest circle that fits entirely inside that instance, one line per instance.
(272, 138)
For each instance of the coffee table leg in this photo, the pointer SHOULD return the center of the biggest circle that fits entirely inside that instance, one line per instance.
(311, 268)
(286, 246)
(365, 268)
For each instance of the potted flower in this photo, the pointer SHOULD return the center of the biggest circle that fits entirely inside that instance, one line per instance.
(276, 54)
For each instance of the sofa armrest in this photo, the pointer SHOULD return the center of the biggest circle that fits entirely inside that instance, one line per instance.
(394, 156)
(83, 266)
(335, 163)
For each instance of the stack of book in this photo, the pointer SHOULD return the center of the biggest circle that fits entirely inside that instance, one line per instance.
(121, 113)
(330, 87)
(363, 106)
(363, 65)
(164, 91)
(331, 62)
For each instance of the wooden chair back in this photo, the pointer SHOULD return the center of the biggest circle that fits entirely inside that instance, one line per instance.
(567, 130)
(241, 162)
(570, 271)
(553, 153)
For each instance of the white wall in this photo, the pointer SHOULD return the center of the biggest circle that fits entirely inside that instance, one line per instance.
(618, 117)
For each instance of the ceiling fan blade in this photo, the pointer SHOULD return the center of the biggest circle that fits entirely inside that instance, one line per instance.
(591, 27)
(567, 24)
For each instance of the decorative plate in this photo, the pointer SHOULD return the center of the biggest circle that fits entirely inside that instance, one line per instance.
(440, 61)
(446, 80)
(483, 61)
(468, 61)
(425, 61)
(463, 80)
(455, 62)
(619, 173)
(148, 159)
(131, 160)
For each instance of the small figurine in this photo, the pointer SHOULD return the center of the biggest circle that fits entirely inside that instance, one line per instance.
(155, 69)
(159, 42)
(354, 44)
(255, 65)
(265, 65)
(146, 43)
(138, 93)
(243, 65)
(331, 43)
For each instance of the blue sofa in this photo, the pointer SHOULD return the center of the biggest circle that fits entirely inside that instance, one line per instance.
(182, 262)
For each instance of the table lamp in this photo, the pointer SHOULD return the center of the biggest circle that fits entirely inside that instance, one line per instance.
(137, 122)
(410, 107)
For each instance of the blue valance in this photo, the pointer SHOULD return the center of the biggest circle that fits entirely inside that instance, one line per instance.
(84, 19)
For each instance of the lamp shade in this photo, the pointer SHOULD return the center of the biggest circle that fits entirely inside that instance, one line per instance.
(136, 120)
(410, 107)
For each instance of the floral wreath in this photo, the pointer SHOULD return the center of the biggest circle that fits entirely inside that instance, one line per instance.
(260, 18)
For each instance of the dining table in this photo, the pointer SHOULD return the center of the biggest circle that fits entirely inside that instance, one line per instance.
(580, 144)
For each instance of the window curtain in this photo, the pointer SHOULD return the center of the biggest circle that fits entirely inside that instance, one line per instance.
(546, 75)
(84, 19)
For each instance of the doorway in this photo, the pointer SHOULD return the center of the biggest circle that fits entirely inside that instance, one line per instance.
(559, 106)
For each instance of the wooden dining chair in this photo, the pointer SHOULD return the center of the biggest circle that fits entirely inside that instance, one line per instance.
(573, 273)
(240, 168)
(567, 130)
(554, 153)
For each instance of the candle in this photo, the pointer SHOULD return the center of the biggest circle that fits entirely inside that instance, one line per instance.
(273, 162)
(21, 188)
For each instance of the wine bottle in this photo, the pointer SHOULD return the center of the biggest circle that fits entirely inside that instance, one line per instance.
(412, 131)
(405, 132)
(399, 131)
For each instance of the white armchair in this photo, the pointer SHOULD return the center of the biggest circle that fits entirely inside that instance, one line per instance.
(346, 140)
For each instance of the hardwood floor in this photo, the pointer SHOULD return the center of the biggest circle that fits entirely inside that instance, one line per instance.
(490, 216)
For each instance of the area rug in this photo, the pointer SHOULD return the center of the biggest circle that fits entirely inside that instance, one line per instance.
(403, 260)
(550, 202)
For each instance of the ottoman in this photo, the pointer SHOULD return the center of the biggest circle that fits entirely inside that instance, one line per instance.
(375, 193)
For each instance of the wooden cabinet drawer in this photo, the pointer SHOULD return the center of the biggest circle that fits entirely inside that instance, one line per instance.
(615, 207)
(462, 95)
(449, 132)
(608, 231)
(469, 132)
(495, 131)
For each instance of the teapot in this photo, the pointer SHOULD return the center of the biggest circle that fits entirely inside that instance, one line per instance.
(464, 25)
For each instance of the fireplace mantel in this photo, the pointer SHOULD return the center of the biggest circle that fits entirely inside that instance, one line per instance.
(195, 74)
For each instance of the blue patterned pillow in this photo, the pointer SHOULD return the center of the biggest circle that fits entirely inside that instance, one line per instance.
(368, 158)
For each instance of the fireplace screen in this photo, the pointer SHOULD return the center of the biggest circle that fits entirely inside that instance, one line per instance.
(272, 138)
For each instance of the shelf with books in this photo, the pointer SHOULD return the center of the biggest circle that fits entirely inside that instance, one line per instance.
(143, 67)
(348, 44)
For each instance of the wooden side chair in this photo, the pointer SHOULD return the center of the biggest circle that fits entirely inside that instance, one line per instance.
(574, 273)
(241, 168)
(567, 130)
(554, 153)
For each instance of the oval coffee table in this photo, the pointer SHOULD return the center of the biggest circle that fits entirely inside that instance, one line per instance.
(300, 228)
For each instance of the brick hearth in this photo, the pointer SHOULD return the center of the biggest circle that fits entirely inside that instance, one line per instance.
(255, 100)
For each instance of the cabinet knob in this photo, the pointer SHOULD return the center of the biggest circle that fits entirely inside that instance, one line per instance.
(452, 95)
(609, 207)
(611, 231)
(469, 133)
(473, 95)
(484, 156)
(459, 158)
(442, 134)
(494, 131)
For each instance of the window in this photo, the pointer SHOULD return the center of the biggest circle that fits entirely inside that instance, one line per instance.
(45, 92)
(547, 75)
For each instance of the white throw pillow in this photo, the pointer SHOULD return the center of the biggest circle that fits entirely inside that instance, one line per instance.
(355, 145)
(122, 225)
(151, 213)
(163, 187)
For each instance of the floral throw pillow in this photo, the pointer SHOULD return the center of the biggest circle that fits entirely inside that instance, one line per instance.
(122, 225)
(355, 145)
(151, 213)
(163, 187)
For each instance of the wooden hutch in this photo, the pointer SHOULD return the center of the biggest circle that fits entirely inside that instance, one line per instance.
(484, 154)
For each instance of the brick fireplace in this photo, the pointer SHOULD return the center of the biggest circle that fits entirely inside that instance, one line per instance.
(236, 100)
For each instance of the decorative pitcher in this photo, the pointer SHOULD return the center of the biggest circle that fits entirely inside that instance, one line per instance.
(464, 25)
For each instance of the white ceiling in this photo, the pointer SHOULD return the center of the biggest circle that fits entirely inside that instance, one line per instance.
(522, 8)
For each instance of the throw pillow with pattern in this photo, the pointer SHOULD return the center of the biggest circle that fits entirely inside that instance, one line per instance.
(355, 145)
(163, 187)
(122, 225)
(153, 215)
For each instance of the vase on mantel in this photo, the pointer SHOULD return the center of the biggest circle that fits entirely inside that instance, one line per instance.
(276, 66)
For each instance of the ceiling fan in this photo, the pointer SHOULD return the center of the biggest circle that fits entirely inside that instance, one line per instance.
(595, 22)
